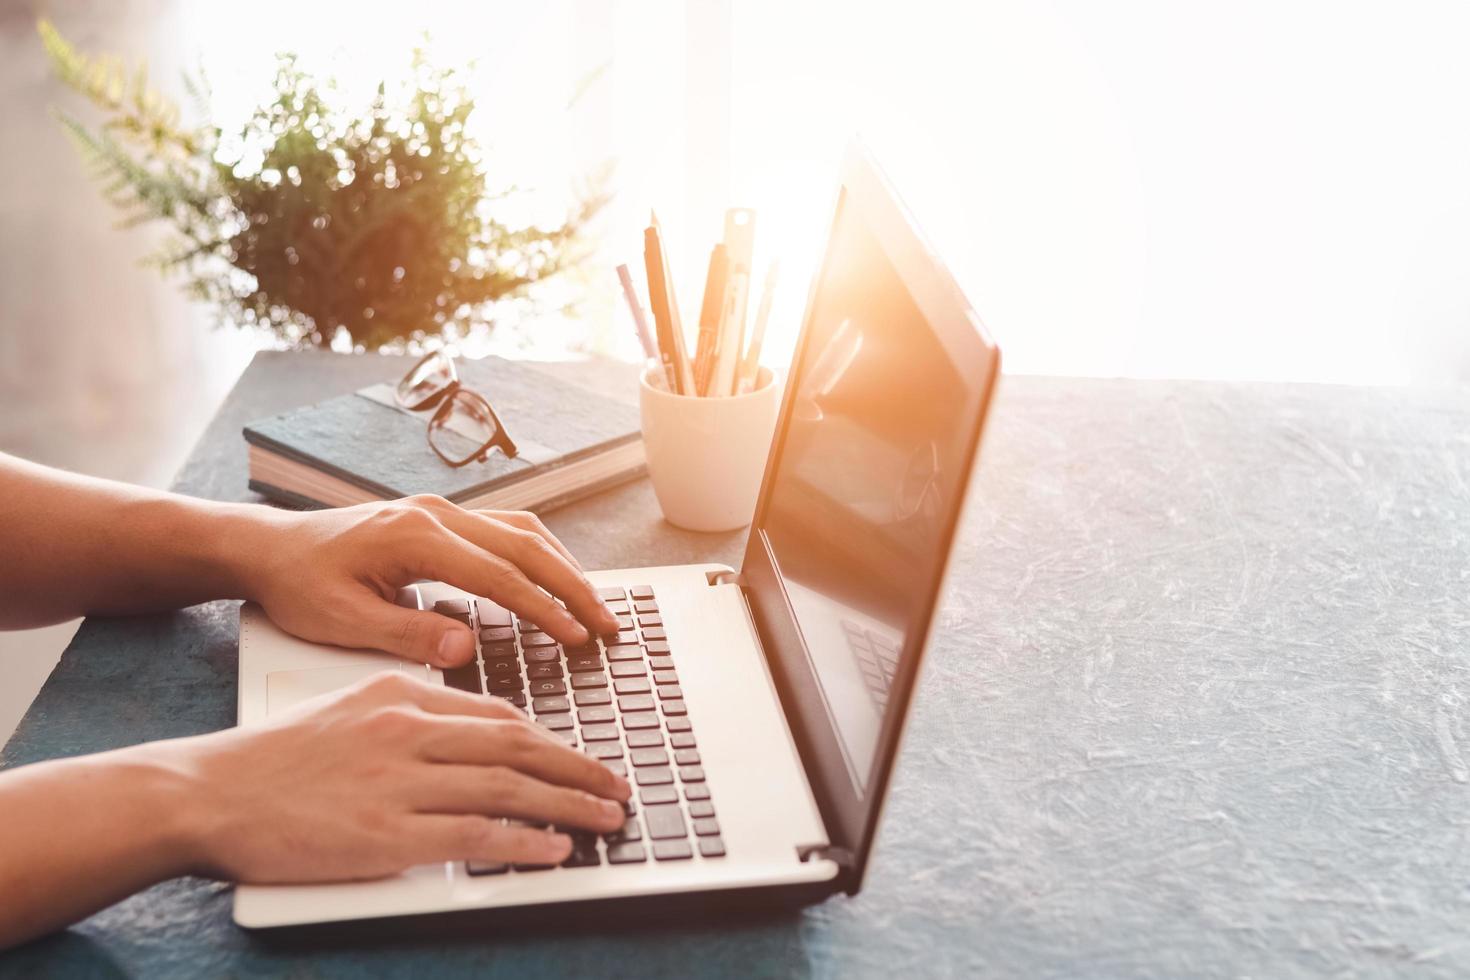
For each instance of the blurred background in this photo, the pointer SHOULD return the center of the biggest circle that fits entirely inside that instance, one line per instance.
(1255, 191)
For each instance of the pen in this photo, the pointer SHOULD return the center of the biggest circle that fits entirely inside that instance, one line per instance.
(739, 243)
(666, 312)
(710, 321)
(640, 322)
(750, 367)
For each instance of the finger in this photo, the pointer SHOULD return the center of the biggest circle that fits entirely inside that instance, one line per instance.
(522, 746)
(417, 635)
(539, 559)
(527, 521)
(442, 837)
(502, 792)
(452, 559)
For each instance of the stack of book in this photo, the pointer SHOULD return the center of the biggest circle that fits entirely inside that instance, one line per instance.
(360, 446)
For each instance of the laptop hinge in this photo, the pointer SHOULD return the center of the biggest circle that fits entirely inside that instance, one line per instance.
(840, 856)
(725, 578)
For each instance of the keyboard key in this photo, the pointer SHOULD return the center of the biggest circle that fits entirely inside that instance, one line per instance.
(702, 808)
(677, 724)
(503, 665)
(624, 651)
(632, 685)
(672, 850)
(582, 682)
(491, 614)
(604, 750)
(466, 678)
(557, 722)
(650, 619)
(631, 831)
(661, 663)
(654, 633)
(654, 776)
(621, 636)
(628, 668)
(649, 757)
(644, 739)
(711, 847)
(454, 608)
(691, 774)
(543, 655)
(657, 648)
(664, 821)
(619, 607)
(616, 766)
(667, 691)
(635, 720)
(506, 684)
(683, 740)
(497, 650)
(706, 827)
(658, 794)
(540, 688)
(567, 738)
(665, 677)
(542, 671)
(498, 634)
(582, 663)
(611, 593)
(629, 853)
(537, 640)
(533, 867)
(641, 592)
(635, 702)
(583, 855)
(486, 867)
(599, 733)
(556, 702)
(526, 626)
(696, 791)
(674, 709)
(687, 757)
(625, 623)
(645, 606)
(517, 698)
(593, 696)
(596, 715)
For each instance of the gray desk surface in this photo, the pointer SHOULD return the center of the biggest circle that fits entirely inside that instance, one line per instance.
(1196, 706)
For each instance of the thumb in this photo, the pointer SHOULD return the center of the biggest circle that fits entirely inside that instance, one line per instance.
(417, 635)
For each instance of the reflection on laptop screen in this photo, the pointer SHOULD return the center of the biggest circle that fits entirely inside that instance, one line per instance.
(870, 462)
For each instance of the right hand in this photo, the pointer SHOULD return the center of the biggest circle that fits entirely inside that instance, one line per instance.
(386, 774)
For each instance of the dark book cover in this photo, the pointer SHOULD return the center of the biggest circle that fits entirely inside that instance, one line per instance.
(384, 450)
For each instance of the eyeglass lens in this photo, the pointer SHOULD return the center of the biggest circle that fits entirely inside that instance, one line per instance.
(426, 383)
(462, 427)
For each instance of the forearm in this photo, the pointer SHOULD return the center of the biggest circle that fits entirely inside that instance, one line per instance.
(75, 545)
(80, 834)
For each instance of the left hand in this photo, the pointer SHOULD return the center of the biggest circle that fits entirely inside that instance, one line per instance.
(330, 576)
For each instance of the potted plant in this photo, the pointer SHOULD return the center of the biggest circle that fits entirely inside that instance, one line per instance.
(312, 222)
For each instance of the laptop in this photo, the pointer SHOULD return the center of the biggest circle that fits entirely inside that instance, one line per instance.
(757, 712)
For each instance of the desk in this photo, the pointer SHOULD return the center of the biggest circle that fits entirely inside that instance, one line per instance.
(1196, 705)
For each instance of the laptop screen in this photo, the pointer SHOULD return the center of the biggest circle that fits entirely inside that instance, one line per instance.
(876, 448)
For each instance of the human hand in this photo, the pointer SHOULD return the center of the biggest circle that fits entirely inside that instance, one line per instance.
(330, 576)
(389, 773)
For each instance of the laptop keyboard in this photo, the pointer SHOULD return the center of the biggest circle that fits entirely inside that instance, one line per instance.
(617, 698)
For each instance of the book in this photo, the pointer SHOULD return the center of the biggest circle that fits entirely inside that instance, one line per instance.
(361, 446)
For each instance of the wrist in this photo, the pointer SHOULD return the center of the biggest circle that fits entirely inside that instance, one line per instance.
(243, 543)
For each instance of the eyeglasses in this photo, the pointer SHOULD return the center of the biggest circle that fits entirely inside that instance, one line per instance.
(464, 428)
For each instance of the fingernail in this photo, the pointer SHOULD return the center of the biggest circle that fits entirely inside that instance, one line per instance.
(560, 844)
(455, 647)
(611, 809)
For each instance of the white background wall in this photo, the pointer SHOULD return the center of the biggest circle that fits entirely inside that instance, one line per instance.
(1250, 190)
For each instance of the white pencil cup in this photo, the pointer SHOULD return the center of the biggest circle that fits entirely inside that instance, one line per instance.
(706, 456)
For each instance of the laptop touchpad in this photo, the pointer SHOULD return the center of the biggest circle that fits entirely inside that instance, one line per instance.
(286, 688)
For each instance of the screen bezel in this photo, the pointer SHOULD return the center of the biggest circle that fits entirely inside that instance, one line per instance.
(852, 817)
